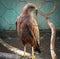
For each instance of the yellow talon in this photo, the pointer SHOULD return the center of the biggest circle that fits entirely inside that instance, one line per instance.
(32, 57)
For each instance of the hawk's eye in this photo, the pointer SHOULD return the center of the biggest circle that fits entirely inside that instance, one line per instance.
(32, 7)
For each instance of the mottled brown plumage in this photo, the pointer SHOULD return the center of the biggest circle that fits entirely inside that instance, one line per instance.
(27, 27)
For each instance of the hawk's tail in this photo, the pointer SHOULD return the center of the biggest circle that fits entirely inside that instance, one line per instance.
(37, 48)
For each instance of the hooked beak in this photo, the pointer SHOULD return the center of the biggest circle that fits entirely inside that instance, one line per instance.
(36, 11)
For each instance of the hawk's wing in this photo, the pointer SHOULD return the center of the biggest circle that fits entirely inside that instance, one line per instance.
(18, 25)
(33, 28)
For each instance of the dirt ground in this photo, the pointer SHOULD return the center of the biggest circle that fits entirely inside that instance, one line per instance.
(12, 38)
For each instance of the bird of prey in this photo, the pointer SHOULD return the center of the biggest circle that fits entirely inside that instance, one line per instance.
(27, 28)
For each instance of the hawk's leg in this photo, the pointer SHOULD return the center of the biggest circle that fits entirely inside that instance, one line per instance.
(24, 50)
(24, 55)
(33, 56)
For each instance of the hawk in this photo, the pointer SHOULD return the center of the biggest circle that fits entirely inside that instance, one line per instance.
(27, 28)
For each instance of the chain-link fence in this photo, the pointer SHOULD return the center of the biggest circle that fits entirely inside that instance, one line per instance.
(10, 9)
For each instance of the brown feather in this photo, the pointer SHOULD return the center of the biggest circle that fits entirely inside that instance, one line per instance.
(27, 28)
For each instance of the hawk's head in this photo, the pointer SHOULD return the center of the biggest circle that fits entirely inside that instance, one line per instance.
(29, 7)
